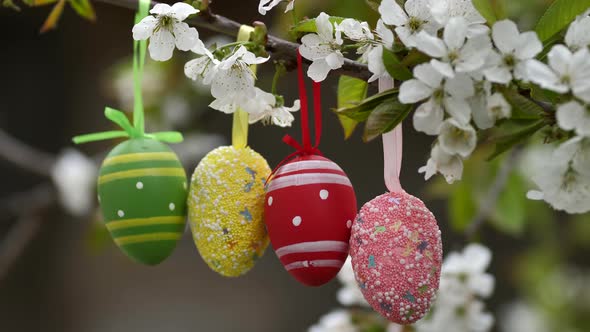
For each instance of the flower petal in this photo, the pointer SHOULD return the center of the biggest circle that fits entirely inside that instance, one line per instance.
(460, 86)
(182, 10)
(318, 70)
(313, 48)
(185, 36)
(392, 13)
(335, 60)
(428, 75)
(144, 29)
(444, 68)
(455, 33)
(428, 117)
(505, 35)
(569, 115)
(413, 91)
(529, 46)
(431, 45)
(233, 81)
(474, 54)
(578, 34)
(560, 58)
(324, 27)
(161, 45)
(161, 9)
(458, 108)
(539, 73)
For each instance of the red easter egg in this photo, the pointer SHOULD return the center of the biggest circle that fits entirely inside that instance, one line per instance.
(396, 253)
(309, 209)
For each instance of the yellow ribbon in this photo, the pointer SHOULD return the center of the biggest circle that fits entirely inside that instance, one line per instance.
(240, 121)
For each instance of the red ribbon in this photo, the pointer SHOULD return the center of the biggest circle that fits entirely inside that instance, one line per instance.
(305, 148)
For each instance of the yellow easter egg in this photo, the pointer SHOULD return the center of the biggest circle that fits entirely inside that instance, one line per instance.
(226, 209)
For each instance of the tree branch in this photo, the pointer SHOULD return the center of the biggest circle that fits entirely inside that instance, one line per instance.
(24, 156)
(279, 49)
(493, 194)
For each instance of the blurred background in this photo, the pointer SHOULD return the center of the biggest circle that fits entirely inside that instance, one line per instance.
(62, 272)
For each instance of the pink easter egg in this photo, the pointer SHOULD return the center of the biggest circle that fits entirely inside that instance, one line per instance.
(309, 209)
(396, 253)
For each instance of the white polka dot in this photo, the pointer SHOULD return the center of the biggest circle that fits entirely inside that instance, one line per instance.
(171, 206)
(120, 213)
(139, 185)
(297, 221)
(349, 223)
(270, 201)
(324, 194)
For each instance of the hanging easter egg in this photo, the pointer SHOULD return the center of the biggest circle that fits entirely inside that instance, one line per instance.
(142, 190)
(396, 253)
(309, 209)
(226, 206)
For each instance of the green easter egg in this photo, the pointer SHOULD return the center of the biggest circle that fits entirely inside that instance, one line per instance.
(142, 190)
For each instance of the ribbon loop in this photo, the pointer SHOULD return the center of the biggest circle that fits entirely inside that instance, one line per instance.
(392, 148)
(305, 148)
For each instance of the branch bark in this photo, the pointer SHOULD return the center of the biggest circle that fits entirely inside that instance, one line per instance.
(279, 49)
(491, 199)
(25, 156)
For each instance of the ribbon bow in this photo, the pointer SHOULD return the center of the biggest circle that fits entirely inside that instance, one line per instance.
(305, 148)
(137, 130)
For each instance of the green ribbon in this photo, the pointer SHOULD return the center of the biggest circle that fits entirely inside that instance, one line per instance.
(137, 130)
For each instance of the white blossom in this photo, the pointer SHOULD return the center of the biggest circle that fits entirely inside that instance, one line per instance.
(335, 321)
(354, 30)
(322, 48)
(409, 22)
(574, 116)
(74, 176)
(578, 34)
(440, 93)
(467, 270)
(522, 317)
(463, 282)
(455, 53)
(457, 138)
(374, 56)
(264, 108)
(496, 107)
(515, 50)
(444, 10)
(350, 294)
(266, 5)
(203, 68)
(233, 82)
(566, 72)
(564, 181)
(167, 29)
(450, 166)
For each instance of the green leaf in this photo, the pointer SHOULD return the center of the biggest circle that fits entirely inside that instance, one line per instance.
(462, 206)
(485, 8)
(522, 107)
(84, 9)
(360, 111)
(558, 16)
(309, 26)
(506, 142)
(394, 67)
(510, 213)
(384, 118)
(54, 16)
(350, 91)
(415, 58)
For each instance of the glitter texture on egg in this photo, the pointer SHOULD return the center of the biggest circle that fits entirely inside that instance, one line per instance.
(396, 253)
(226, 205)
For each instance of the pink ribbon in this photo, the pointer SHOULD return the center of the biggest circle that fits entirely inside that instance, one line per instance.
(392, 148)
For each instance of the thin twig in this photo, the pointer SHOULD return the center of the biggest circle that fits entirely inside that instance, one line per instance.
(491, 199)
(17, 239)
(25, 156)
(279, 49)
